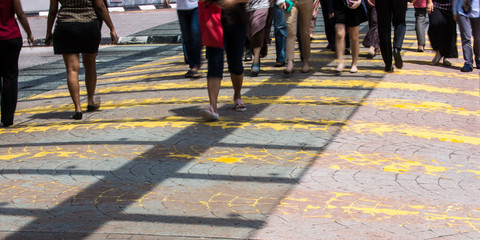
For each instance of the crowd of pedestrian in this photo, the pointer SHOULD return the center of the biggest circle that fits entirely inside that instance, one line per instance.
(229, 27)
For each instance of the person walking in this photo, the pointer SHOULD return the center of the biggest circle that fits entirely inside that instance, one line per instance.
(391, 12)
(187, 11)
(10, 47)
(420, 22)
(77, 30)
(280, 32)
(442, 31)
(371, 40)
(347, 14)
(301, 11)
(234, 22)
(467, 14)
(260, 16)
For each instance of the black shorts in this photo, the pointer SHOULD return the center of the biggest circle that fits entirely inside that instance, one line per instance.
(74, 37)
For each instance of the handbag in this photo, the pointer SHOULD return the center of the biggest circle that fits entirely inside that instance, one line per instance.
(209, 16)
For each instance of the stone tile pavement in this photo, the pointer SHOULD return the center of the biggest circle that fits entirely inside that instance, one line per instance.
(315, 156)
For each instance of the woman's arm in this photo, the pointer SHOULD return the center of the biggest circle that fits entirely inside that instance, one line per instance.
(17, 6)
(52, 14)
(429, 6)
(103, 12)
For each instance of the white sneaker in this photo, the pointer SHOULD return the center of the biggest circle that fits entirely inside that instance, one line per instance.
(208, 114)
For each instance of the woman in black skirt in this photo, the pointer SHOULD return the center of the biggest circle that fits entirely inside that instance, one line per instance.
(349, 13)
(442, 31)
(78, 31)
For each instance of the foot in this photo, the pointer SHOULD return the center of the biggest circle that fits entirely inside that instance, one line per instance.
(466, 68)
(398, 58)
(255, 69)
(305, 68)
(94, 106)
(446, 62)
(339, 68)
(437, 58)
(77, 115)
(421, 48)
(208, 114)
(192, 74)
(239, 106)
(354, 69)
(389, 69)
(279, 64)
(7, 124)
(371, 53)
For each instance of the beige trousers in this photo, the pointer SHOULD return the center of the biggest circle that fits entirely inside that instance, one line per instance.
(302, 12)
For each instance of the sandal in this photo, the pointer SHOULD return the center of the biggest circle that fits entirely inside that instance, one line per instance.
(239, 106)
(193, 74)
(208, 114)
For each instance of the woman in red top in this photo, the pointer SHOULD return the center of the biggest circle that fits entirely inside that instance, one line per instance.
(10, 46)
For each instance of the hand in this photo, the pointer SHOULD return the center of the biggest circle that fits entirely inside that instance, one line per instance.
(30, 39)
(371, 2)
(113, 36)
(429, 7)
(331, 15)
(283, 5)
(48, 39)
(455, 18)
(355, 4)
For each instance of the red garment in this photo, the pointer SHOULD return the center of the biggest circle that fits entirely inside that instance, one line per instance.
(8, 25)
(420, 4)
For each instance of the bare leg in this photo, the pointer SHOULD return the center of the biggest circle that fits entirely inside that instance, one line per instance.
(340, 45)
(90, 76)
(72, 64)
(213, 85)
(355, 45)
(237, 82)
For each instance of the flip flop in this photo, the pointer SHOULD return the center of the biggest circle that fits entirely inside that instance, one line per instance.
(239, 106)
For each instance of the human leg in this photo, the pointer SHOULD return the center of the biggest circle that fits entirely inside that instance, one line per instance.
(355, 45)
(72, 65)
(234, 36)
(399, 10)
(475, 22)
(340, 46)
(291, 20)
(90, 66)
(420, 16)
(10, 51)
(214, 79)
(280, 30)
(305, 11)
(466, 36)
(384, 15)
(189, 26)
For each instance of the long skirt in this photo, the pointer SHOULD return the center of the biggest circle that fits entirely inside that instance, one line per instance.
(258, 34)
(442, 33)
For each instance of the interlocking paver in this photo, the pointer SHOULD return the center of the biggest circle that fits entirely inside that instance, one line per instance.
(316, 156)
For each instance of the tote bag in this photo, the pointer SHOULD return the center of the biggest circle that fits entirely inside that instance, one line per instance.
(210, 24)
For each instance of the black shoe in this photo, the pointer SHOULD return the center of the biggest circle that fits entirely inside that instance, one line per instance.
(77, 115)
(398, 58)
(389, 69)
(7, 124)
(279, 64)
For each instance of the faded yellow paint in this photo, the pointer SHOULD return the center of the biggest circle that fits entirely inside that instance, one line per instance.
(413, 131)
(227, 160)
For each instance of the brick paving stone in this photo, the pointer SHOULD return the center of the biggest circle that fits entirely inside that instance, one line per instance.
(316, 156)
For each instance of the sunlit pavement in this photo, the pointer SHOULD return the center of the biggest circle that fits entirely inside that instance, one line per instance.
(368, 155)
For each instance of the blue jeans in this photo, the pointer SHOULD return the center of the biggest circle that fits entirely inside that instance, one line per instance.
(470, 27)
(280, 30)
(190, 28)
